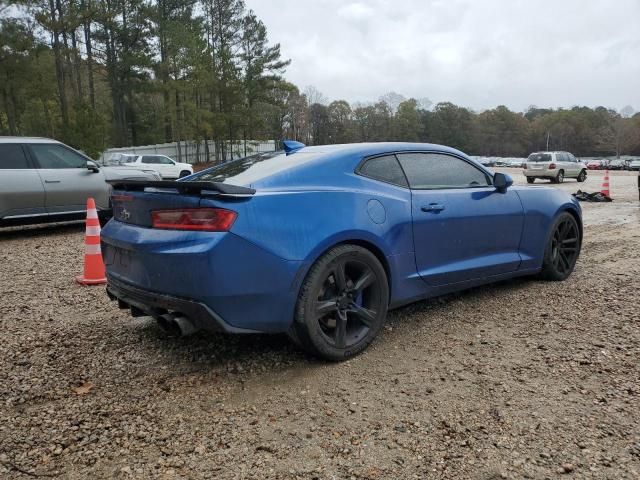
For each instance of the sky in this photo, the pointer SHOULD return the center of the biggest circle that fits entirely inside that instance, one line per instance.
(474, 53)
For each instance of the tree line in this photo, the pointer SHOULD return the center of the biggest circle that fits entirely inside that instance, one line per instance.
(103, 73)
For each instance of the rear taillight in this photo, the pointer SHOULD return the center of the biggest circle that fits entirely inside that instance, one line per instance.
(200, 219)
(552, 166)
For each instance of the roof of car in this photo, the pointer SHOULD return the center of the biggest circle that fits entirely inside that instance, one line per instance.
(376, 147)
(27, 140)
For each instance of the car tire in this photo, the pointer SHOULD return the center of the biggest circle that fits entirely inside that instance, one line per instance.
(184, 173)
(531, 179)
(582, 176)
(559, 177)
(342, 304)
(562, 250)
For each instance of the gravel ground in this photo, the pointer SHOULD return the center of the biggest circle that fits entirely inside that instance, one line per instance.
(521, 379)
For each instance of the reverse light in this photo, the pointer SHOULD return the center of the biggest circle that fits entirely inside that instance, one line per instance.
(552, 166)
(199, 219)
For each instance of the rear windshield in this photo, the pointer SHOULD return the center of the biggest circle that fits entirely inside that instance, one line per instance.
(250, 169)
(539, 157)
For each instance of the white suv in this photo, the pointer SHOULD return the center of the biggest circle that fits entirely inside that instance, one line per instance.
(555, 166)
(165, 166)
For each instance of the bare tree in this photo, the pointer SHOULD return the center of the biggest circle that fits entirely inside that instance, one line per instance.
(620, 135)
(315, 96)
(393, 99)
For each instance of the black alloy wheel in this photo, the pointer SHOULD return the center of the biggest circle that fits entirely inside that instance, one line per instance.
(563, 248)
(342, 304)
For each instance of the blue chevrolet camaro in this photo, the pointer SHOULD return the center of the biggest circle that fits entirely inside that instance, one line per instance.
(320, 242)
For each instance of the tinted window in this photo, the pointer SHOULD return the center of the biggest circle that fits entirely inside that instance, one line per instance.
(561, 157)
(539, 157)
(433, 170)
(12, 156)
(155, 159)
(386, 169)
(572, 158)
(57, 156)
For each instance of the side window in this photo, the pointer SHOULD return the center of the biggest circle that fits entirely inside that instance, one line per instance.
(12, 157)
(150, 159)
(386, 169)
(562, 157)
(165, 161)
(435, 170)
(572, 158)
(57, 156)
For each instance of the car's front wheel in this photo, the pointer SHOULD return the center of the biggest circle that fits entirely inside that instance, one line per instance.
(342, 304)
(563, 248)
(184, 173)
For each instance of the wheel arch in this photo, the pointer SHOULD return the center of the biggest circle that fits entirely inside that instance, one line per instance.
(576, 216)
(363, 241)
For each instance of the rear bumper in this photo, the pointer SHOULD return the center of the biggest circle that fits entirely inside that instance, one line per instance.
(230, 284)
(158, 304)
(544, 173)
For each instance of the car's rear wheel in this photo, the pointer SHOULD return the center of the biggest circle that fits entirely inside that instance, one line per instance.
(562, 249)
(559, 178)
(342, 304)
(531, 179)
(582, 176)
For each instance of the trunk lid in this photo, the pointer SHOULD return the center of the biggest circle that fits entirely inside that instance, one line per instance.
(134, 200)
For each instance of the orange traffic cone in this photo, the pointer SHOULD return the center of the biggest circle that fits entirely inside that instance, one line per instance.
(93, 264)
(605, 184)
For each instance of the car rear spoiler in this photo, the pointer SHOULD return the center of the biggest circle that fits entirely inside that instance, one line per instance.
(205, 189)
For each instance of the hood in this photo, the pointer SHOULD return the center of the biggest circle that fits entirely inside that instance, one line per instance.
(129, 173)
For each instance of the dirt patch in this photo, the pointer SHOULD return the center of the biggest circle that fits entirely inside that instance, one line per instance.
(521, 379)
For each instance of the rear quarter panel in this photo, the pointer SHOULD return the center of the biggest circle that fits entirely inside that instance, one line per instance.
(300, 225)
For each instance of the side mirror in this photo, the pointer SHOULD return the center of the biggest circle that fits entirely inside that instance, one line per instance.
(502, 181)
(92, 166)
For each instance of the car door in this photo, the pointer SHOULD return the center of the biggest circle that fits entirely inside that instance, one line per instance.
(163, 165)
(67, 181)
(21, 188)
(575, 166)
(463, 228)
(565, 164)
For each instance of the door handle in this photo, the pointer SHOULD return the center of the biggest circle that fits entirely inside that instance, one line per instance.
(432, 207)
(52, 181)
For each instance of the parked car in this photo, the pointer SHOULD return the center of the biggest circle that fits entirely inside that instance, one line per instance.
(42, 180)
(617, 164)
(634, 165)
(321, 241)
(516, 163)
(596, 164)
(555, 166)
(119, 159)
(165, 166)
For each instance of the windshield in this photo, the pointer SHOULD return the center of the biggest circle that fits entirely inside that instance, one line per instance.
(539, 157)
